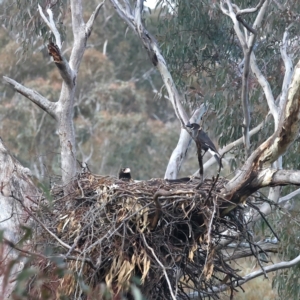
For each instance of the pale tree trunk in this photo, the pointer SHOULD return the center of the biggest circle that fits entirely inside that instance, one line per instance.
(63, 109)
(16, 186)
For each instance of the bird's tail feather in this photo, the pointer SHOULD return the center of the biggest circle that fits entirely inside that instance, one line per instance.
(218, 159)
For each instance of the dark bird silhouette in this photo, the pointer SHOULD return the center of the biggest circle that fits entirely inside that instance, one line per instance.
(124, 174)
(200, 137)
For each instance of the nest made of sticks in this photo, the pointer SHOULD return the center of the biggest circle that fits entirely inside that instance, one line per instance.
(166, 234)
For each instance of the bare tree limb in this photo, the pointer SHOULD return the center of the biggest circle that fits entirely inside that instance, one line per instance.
(247, 47)
(51, 24)
(241, 12)
(33, 96)
(125, 14)
(90, 22)
(80, 36)
(250, 276)
(254, 67)
(279, 177)
(63, 66)
(266, 88)
(55, 49)
(266, 208)
(241, 253)
(288, 197)
(133, 17)
(288, 69)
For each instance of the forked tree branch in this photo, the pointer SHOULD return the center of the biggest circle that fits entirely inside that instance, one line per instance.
(241, 12)
(247, 47)
(51, 24)
(275, 146)
(81, 32)
(255, 69)
(33, 96)
(63, 66)
(55, 49)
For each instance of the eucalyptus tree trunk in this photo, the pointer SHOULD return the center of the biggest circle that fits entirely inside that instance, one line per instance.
(16, 188)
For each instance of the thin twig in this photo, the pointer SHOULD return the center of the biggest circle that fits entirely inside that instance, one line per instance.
(162, 266)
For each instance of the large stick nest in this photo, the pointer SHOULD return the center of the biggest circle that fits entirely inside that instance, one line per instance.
(169, 235)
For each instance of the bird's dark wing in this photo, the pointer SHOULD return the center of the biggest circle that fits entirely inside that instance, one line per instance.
(206, 142)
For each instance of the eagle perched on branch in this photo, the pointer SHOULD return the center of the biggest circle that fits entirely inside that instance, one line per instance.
(200, 137)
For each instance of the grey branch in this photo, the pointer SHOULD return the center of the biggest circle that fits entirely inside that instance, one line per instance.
(125, 14)
(51, 24)
(247, 47)
(34, 96)
(288, 69)
(90, 22)
(266, 88)
(266, 209)
(250, 276)
(282, 177)
(63, 66)
(258, 74)
(241, 12)
(55, 49)
(288, 197)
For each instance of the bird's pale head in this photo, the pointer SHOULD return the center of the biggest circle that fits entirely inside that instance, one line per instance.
(124, 174)
(193, 126)
(126, 170)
